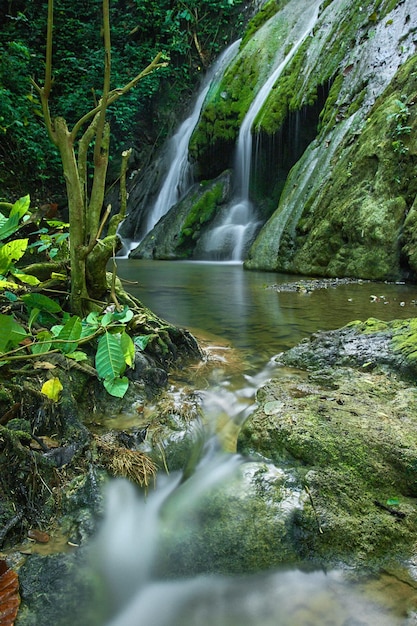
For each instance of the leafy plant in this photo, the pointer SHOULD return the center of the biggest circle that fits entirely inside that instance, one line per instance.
(104, 334)
(402, 128)
(49, 328)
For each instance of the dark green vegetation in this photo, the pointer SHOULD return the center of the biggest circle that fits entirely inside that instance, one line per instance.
(189, 33)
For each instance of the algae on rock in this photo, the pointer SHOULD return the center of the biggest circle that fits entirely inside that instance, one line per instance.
(345, 430)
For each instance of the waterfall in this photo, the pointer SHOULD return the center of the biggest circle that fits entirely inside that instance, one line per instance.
(179, 178)
(231, 237)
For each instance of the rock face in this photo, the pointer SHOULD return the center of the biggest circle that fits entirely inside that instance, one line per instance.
(345, 432)
(176, 234)
(334, 144)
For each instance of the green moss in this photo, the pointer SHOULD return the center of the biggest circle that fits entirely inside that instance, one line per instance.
(371, 325)
(349, 442)
(405, 340)
(329, 112)
(202, 212)
(267, 11)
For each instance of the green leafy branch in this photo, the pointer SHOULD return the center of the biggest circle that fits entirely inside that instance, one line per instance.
(49, 329)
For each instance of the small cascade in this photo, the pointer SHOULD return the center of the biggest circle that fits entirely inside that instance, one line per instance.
(231, 237)
(228, 240)
(179, 176)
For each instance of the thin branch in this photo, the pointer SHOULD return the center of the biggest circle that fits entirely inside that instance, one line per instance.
(45, 91)
(116, 93)
(48, 60)
(95, 239)
(106, 82)
(123, 192)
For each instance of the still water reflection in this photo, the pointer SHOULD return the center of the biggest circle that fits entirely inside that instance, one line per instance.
(243, 308)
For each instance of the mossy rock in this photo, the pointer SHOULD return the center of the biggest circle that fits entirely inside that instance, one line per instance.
(349, 438)
(177, 233)
(355, 216)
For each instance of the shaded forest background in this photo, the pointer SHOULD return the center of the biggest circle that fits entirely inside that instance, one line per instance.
(190, 34)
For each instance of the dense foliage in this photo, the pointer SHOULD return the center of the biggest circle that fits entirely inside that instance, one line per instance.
(189, 33)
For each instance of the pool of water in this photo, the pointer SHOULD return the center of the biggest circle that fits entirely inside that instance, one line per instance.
(244, 309)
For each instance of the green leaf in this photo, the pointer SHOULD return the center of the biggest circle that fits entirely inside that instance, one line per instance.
(18, 210)
(11, 252)
(141, 341)
(41, 302)
(123, 316)
(6, 284)
(11, 333)
(9, 227)
(393, 502)
(43, 342)
(128, 348)
(25, 278)
(12, 297)
(52, 388)
(34, 314)
(110, 360)
(116, 386)
(78, 356)
(20, 207)
(70, 333)
(107, 318)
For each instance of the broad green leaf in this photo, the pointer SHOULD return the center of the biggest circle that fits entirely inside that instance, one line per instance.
(11, 252)
(69, 335)
(25, 278)
(43, 342)
(393, 502)
(41, 302)
(6, 284)
(123, 316)
(21, 206)
(34, 314)
(10, 226)
(12, 297)
(52, 388)
(110, 360)
(128, 348)
(11, 333)
(92, 319)
(78, 356)
(107, 318)
(141, 341)
(116, 386)
(56, 329)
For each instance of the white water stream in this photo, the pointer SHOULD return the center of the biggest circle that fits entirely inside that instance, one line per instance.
(179, 177)
(229, 239)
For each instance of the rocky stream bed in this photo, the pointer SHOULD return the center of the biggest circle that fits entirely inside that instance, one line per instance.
(326, 472)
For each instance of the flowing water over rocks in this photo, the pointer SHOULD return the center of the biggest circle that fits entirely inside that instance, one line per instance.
(291, 486)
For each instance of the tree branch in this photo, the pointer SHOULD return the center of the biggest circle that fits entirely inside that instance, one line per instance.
(48, 60)
(116, 93)
(106, 83)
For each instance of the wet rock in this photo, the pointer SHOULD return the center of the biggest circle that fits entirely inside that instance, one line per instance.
(348, 434)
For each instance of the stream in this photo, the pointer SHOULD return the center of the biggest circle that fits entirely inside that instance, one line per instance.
(229, 308)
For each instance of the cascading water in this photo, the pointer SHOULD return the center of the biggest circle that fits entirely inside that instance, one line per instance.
(139, 535)
(229, 239)
(179, 178)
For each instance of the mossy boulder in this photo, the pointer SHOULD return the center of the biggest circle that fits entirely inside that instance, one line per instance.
(178, 232)
(345, 429)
